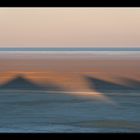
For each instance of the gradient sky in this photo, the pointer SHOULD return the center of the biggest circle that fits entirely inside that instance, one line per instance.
(69, 27)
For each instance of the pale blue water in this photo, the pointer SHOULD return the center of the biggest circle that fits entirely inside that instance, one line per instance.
(56, 112)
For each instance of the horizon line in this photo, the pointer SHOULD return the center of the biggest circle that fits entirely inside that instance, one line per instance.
(70, 49)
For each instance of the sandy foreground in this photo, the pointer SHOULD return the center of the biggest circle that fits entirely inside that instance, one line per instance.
(77, 107)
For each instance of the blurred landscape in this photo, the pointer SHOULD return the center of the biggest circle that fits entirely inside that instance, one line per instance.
(70, 90)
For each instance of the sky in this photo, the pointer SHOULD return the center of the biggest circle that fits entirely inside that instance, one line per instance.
(69, 27)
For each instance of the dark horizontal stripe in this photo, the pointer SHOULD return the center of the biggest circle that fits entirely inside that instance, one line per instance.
(69, 49)
(70, 3)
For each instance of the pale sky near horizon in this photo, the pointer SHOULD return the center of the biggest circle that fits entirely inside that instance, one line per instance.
(69, 27)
